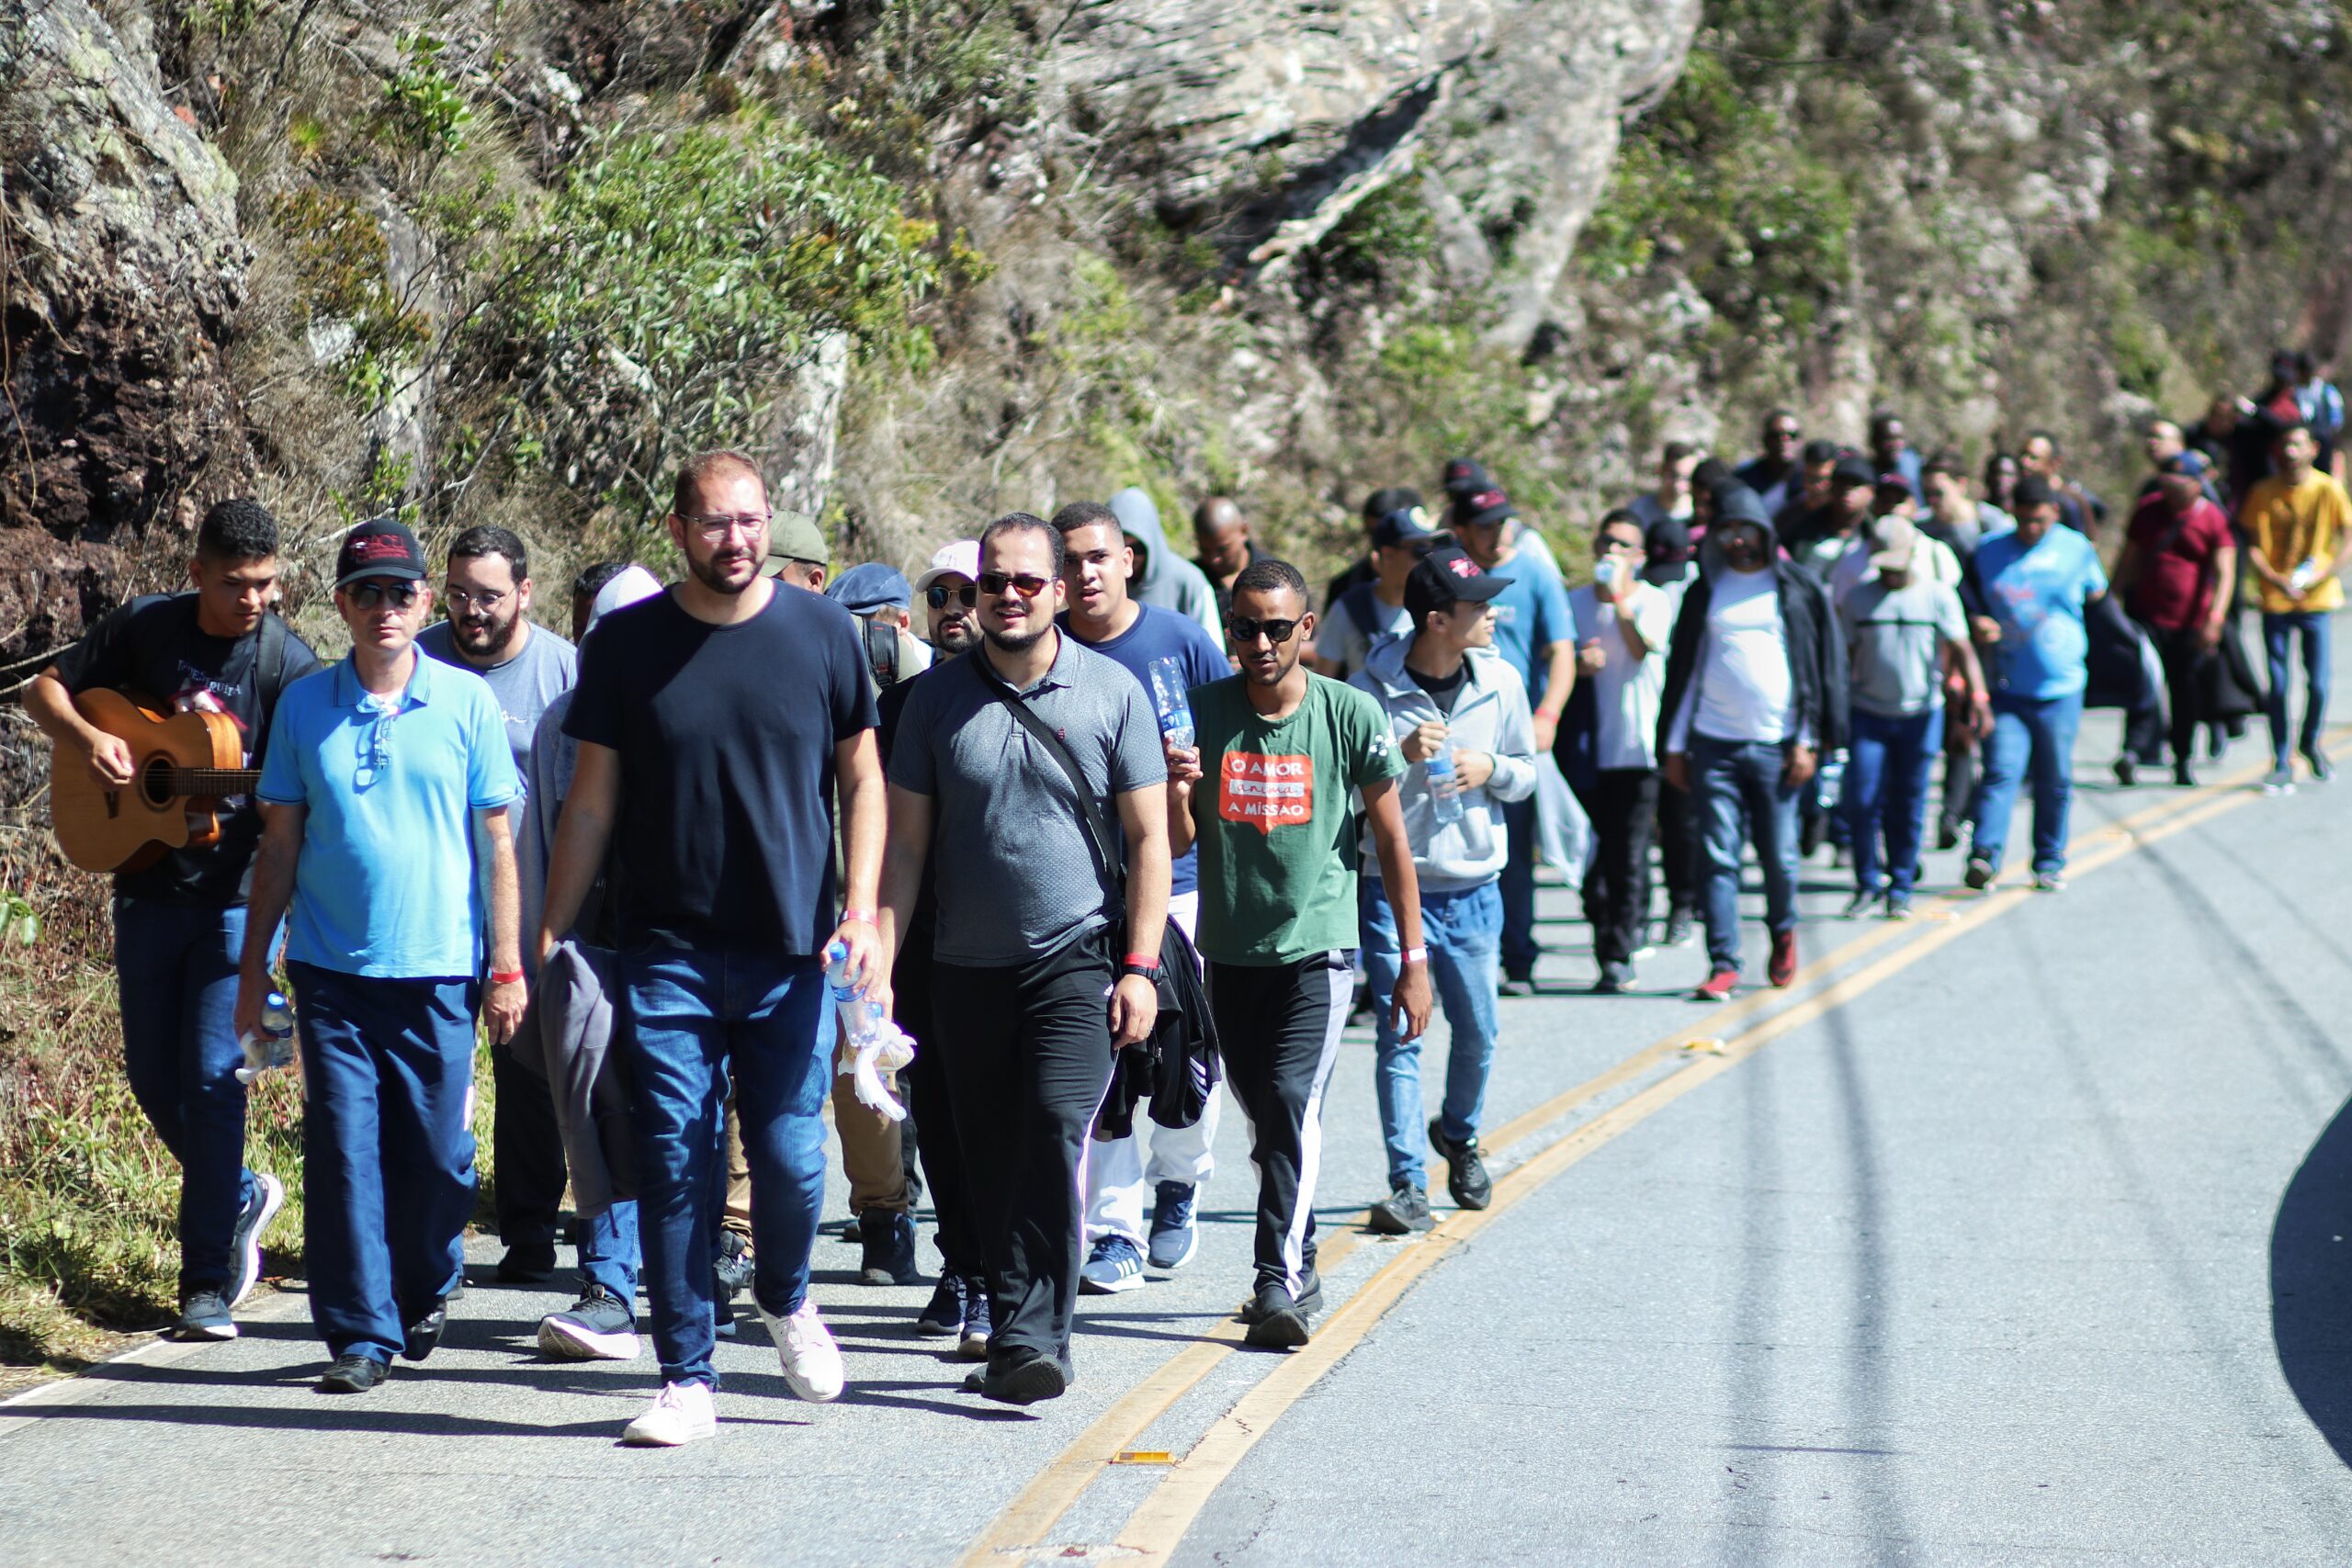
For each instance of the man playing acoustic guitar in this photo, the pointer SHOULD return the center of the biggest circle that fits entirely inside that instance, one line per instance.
(179, 921)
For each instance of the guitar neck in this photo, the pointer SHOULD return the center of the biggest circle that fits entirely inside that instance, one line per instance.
(212, 782)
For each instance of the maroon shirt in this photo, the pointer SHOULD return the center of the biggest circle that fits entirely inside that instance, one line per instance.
(2178, 556)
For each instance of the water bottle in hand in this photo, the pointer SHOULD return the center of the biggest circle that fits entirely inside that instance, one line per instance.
(877, 1045)
(1170, 702)
(1446, 789)
(272, 1045)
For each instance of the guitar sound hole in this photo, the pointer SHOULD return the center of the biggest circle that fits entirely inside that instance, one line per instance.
(155, 781)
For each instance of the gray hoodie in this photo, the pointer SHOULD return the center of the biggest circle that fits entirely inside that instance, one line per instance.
(1167, 580)
(1490, 715)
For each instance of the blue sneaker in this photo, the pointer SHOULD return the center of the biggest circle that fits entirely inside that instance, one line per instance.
(1113, 1266)
(268, 1195)
(1174, 1234)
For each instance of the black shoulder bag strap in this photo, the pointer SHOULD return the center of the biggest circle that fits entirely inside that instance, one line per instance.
(270, 677)
(1107, 867)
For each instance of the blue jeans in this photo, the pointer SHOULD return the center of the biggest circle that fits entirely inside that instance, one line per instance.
(2040, 730)
(1886, 788)
(1461, 929)
(1740, 791)
(1518, 885)
(2278, 633)
(608, 1255)
(696, 1020)
(177, 968)
(388, 1159)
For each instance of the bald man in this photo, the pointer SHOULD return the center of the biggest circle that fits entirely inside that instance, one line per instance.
(1222, 535)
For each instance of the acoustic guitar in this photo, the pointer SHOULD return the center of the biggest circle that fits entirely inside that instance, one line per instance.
(182, 766)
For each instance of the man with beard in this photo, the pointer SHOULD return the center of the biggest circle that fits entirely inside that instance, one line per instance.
(487, 592)
(1267, 799)
(1037, 983)
(716, 723)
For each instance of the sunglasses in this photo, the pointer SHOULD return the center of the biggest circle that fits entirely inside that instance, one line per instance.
(939, 594)
(368, 595)
(1027, 585)
(1245, 631)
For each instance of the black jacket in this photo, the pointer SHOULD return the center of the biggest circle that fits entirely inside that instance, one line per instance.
(1817, 653)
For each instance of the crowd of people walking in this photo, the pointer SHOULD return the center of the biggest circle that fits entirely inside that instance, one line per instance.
(1110, 833)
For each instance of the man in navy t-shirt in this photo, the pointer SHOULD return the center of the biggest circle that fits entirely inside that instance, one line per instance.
(714, 722)
(1106, 619)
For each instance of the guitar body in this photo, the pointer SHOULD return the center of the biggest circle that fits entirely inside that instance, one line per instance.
(126, 829)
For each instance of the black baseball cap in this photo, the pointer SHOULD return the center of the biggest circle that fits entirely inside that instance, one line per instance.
(1481, 507)
(2032, 491)
(1854, 468)
(1466, 476)
(1445, 578)
(1382, 501)
(382, 546)
(1405, 525)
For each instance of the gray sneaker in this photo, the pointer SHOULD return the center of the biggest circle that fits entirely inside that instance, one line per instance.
(599, 1327)
(1403, 1211)
(206, 1316)
(2280, 780)
(245, 1243)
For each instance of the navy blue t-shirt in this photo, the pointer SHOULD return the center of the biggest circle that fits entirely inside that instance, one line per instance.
(1164, 633)
(726, 738)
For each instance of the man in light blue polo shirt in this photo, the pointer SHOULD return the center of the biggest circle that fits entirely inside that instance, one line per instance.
(386, 770)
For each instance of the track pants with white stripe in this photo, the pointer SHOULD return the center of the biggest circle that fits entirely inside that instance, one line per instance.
(1278, 1027)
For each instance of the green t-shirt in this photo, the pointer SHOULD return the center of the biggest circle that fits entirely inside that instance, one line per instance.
(1274, 818)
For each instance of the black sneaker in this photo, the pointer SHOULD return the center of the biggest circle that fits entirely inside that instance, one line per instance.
(599, 1327)
(733, 1272)
(944, 1317)
(1034, 1377)
(204, 1316)
(2183, 774)
(1275, 1319)
(1979, 875)
(889, 1241)
(1947, 833)
(1310, 1289)
(2322, 769)
(1403, 1211)
(354, 1374)
(1615, 980)
(1175, 1235)
(1810, 833)
(978, 1323)
(1466, 1171)
(422, 1337)
(2127, 770)
(245, 1243)
(527, 1263)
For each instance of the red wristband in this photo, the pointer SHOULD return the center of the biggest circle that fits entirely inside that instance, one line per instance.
(1142, 960)
(506, 977)
(862, 917)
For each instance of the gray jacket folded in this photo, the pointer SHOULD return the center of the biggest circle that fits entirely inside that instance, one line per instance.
(587, 1072)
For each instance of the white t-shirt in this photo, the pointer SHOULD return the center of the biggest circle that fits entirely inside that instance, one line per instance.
(1627, 690)
(1745, 691)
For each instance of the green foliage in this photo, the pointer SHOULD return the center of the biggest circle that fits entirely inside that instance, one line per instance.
(423, 104)
(341, 266)
(679, 277)
(1384, 235)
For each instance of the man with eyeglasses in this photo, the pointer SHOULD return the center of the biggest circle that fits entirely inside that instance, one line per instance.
(486, 594)
(1371, 611)
(387, 787)
(1282, 752)
(1036, 984)
(1136, 637)
(1775, 474)
(716, 722)
(958, 1309)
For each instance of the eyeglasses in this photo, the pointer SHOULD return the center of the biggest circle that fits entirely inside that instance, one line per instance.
(1245, 631)
(939, 594)
(1027, 585)
(489, 600)
(368, 595)
(376, 747)
(717, 526)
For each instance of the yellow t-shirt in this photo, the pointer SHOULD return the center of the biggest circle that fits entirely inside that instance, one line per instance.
(2293, 524)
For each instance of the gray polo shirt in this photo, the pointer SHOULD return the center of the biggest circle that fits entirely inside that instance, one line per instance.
(1016, 879)
(524, 685)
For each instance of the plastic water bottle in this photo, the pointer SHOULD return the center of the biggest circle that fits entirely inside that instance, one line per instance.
(1168, 699)
(1829, 781)
(273, 1046)
(877, 1045)
(2300, 580)
(1446, 789)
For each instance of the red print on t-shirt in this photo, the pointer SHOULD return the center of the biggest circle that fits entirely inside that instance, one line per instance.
(1266, 792)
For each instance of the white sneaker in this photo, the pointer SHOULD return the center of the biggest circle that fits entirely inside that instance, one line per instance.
(812, 1362)
(680, 1414)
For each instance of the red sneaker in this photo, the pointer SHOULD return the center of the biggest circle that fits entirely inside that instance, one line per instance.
(1783, 968)
(1719, 987)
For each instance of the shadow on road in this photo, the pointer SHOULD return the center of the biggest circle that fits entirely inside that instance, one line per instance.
(2311, 1284)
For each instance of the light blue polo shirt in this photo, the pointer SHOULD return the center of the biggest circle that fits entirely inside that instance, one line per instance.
(386, 884)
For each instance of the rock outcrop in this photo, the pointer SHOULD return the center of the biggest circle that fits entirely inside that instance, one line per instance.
(122, 272)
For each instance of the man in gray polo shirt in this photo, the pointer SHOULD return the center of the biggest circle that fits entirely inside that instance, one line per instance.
(1027, 950)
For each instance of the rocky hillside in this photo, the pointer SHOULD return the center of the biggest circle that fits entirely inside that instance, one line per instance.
(936, 259)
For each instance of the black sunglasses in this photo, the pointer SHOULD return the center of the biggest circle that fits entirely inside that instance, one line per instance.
(1027, 585)
(368, 595)
(938, 593)
(1245, 631)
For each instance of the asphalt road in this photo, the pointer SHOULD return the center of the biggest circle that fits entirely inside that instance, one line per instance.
(2017, 1235)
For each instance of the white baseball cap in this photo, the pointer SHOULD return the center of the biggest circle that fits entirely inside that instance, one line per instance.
(958, 557)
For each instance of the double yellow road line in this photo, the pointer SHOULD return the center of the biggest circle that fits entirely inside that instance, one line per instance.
(1153, 1530)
